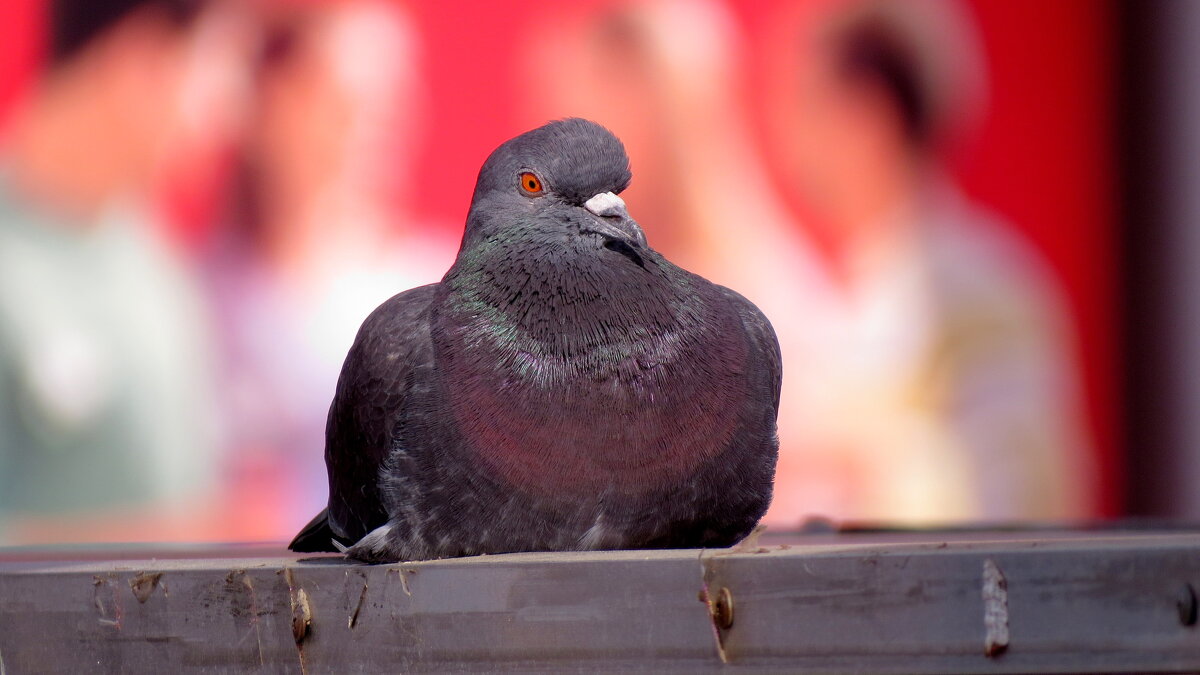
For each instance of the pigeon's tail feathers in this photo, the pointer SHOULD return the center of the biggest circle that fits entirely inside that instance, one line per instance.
(375, 547)
(317, 537)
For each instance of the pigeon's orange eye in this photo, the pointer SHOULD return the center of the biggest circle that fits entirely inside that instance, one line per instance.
(531, 183)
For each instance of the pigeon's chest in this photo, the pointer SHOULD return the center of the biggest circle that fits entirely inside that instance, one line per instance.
(633, 407)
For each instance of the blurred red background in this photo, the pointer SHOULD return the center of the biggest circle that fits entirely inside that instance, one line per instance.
(1043, 156)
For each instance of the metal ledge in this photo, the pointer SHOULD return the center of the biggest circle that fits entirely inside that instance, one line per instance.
(960, 603)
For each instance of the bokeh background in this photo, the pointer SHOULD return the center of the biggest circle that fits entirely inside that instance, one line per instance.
(967, 221)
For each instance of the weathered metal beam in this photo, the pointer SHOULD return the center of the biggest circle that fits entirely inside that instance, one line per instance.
(965, 604)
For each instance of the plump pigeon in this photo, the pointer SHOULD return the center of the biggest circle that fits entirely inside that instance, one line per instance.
(563, 388)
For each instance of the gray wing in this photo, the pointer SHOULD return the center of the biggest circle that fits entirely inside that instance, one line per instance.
(764, 358)
(370, 398)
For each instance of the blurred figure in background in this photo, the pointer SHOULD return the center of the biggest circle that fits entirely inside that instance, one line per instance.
(106, 409)
(319, 235)
(938, 364)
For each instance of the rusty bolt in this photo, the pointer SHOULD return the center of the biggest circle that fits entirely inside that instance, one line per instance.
(1185, 602)
(722, 609)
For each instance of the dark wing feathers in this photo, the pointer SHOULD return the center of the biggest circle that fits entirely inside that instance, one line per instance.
(316, 537)
(369, 398)
(764, 345)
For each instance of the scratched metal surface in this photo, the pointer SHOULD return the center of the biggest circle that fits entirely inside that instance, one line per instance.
(881, 603)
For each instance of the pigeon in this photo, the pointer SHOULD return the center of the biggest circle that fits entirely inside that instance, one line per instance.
(563, 388)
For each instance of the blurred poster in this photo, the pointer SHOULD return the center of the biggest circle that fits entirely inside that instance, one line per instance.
(201, 201)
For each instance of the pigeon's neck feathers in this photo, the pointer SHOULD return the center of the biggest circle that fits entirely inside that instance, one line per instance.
(558, 296)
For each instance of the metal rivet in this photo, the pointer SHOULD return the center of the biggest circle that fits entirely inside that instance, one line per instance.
(1185, 602)
(722, 609)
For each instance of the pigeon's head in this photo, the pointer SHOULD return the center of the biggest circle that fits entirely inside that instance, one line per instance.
(561, 178)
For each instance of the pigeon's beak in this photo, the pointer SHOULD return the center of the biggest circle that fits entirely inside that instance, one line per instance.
(613, 220)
